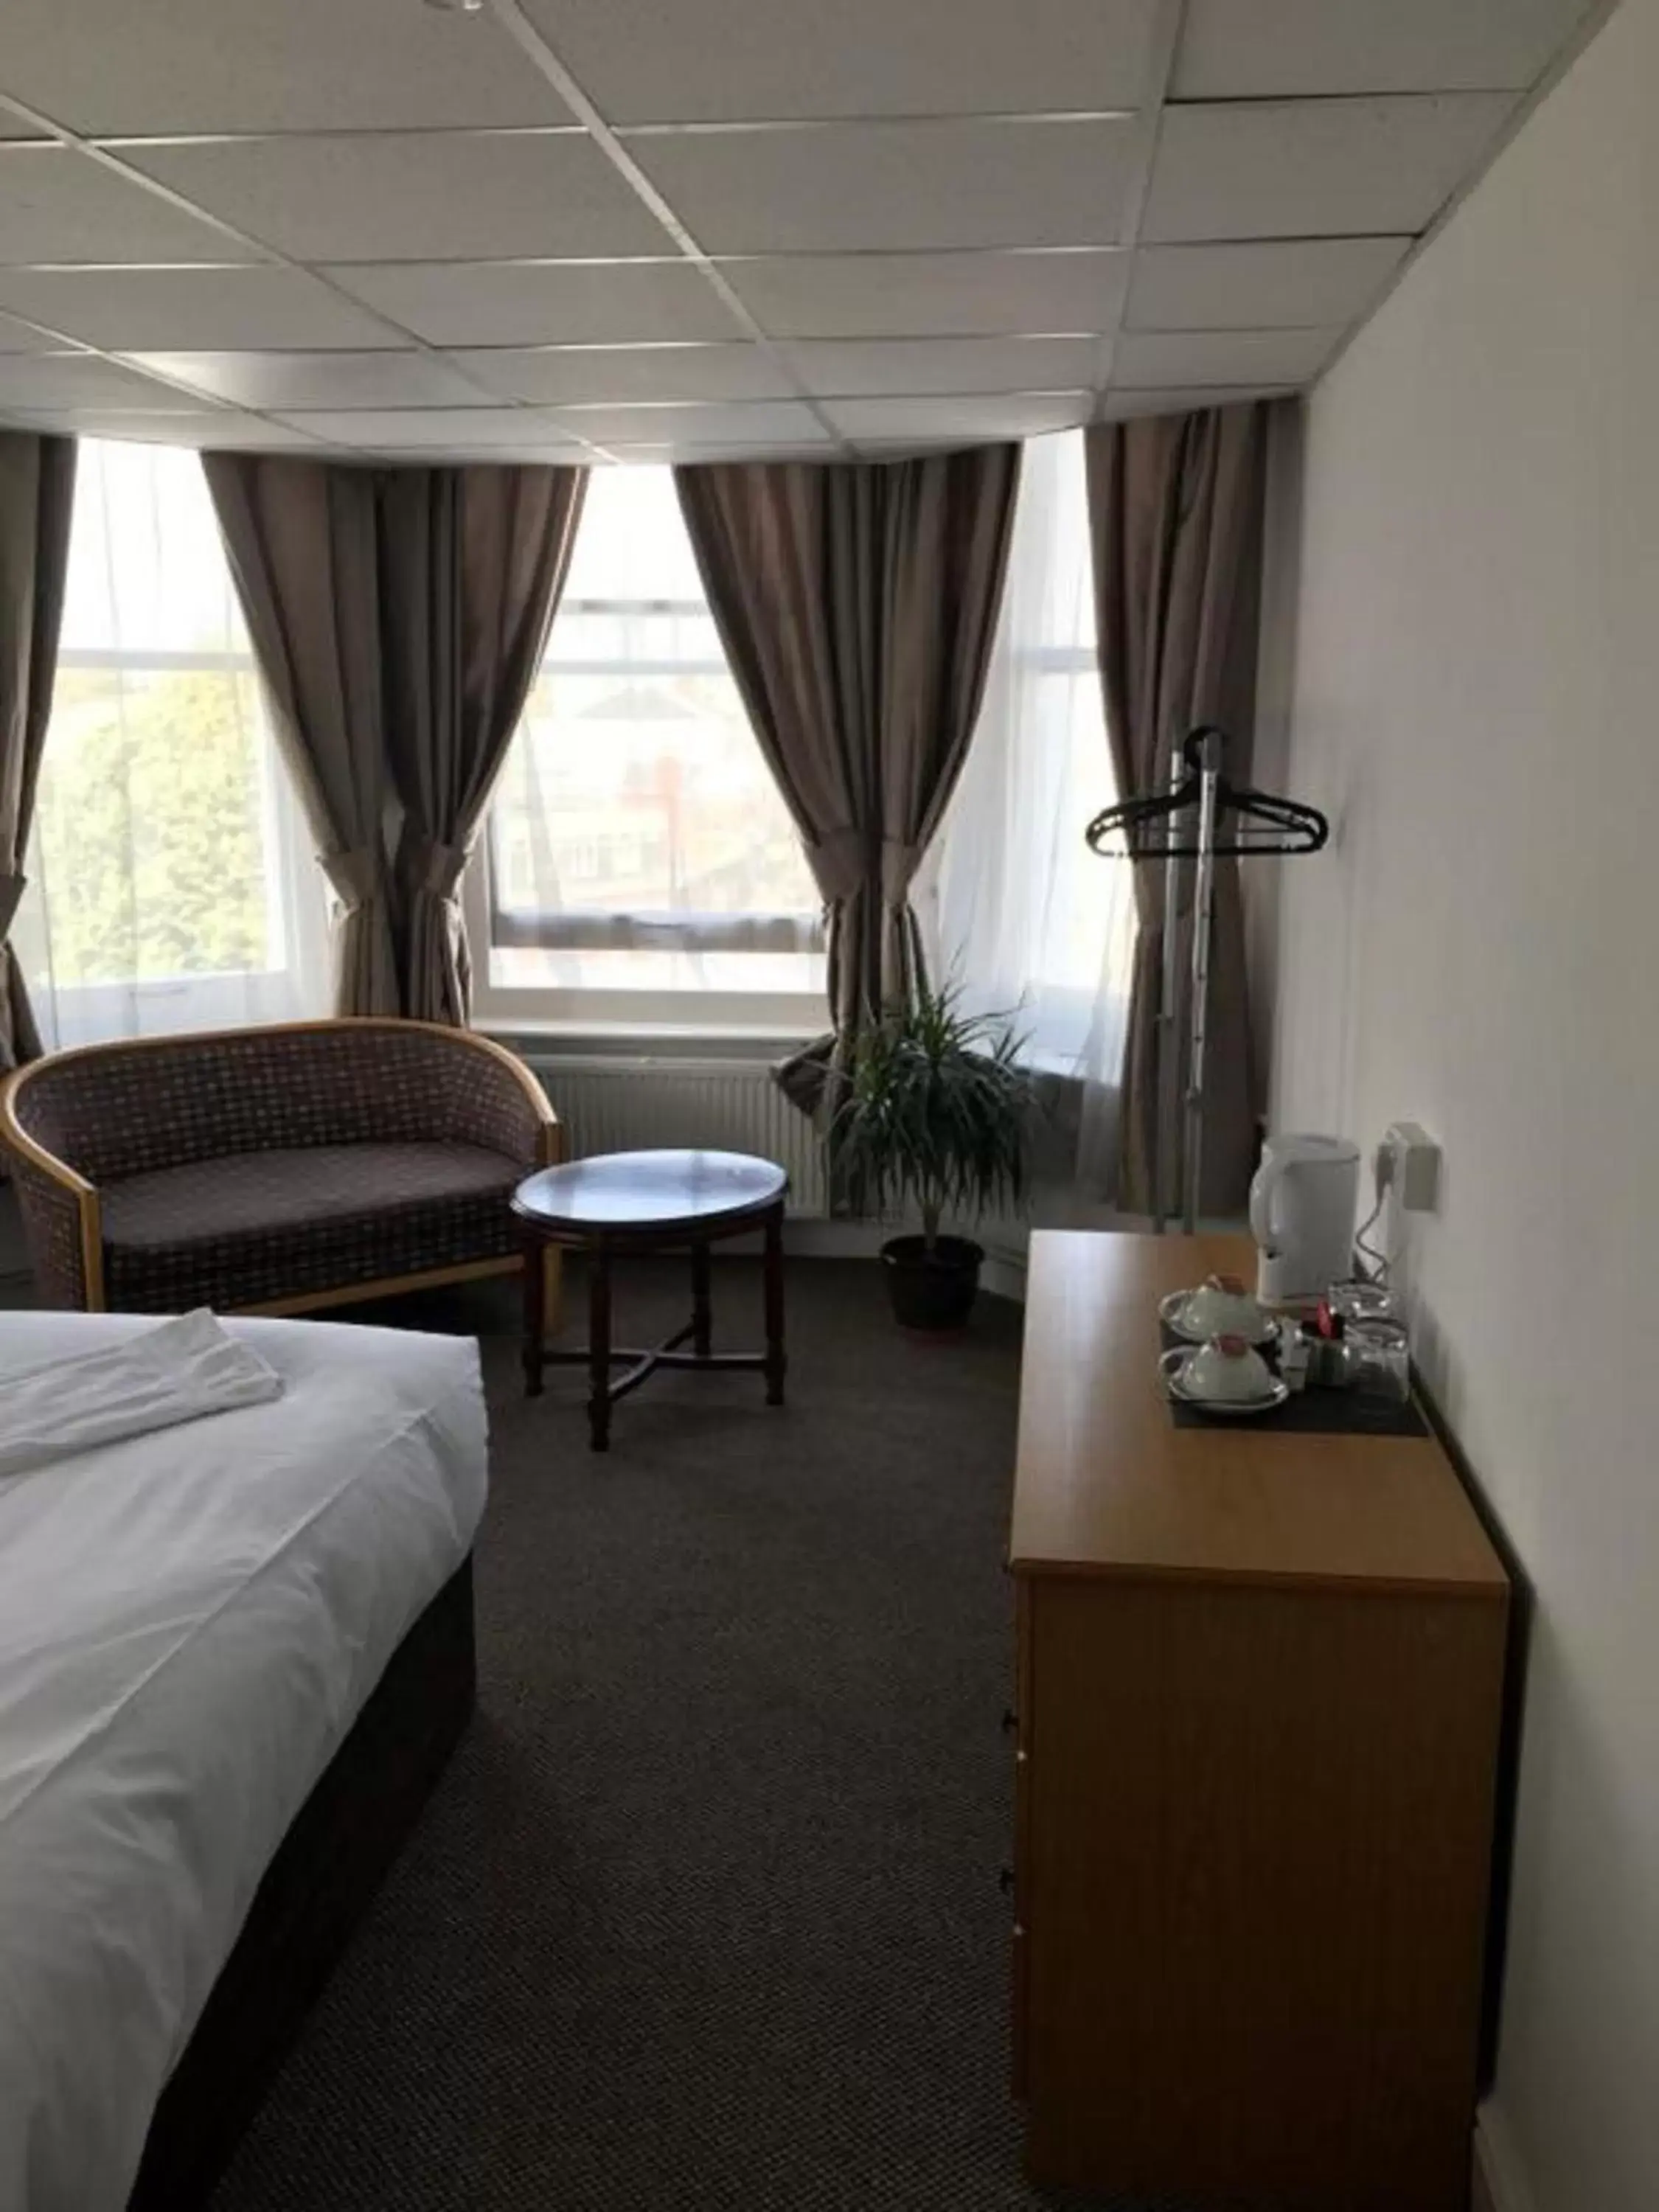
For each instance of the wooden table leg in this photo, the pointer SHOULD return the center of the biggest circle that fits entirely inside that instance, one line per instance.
(535, 1315)
(775, 1360)
(599, 1347)
(702, 1317)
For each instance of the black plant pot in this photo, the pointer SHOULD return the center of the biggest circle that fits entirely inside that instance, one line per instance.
(932, 1291)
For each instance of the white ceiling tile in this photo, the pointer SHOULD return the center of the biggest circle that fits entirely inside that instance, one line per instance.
(59, 205)
(562, 453)
(223, 428)
(851, 366)
(1255, 49)
(544, 302)
(1008, 415)
(1144, 359)
(760, 449)
(1123, 405)
(698, 423)
(622, 373)
(81, 379)
(281, 382)
(13, 127)
(403, 195)
(726, 60)
(147, 310)
(895, 185)
(469, 429)
(18, 338)
(228, 430)
(1270, 284)
(1315, 167)
(194, 65)
(902, 296)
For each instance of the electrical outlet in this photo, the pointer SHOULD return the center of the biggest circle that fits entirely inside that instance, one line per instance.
(1416, 1166)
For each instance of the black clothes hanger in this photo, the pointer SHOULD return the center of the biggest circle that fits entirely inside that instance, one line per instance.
(1246, 820)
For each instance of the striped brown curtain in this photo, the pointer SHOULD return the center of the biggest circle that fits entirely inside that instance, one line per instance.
(1176, 507)
(398, 618)
(37, 494)
(472, 563)
(857, 602)
(303, 540)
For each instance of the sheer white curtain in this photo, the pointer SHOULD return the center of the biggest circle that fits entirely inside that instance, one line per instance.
(171, 884)
(1014, 906)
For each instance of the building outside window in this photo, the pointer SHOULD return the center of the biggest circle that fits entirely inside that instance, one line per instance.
(640, 864)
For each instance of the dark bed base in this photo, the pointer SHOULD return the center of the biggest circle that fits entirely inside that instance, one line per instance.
(325, 1870)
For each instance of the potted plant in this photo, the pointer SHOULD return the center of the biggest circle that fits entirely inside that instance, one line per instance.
(934, 1109)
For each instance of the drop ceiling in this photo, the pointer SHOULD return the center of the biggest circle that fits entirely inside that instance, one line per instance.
(640, 229)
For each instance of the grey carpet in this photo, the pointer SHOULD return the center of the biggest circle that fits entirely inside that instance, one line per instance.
(705, 1913)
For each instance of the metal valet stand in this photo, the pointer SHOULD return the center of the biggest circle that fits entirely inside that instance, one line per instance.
(1200, 818)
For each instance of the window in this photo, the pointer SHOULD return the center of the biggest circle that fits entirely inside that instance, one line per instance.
(640, 864)
(1012, 902)
(171, 884)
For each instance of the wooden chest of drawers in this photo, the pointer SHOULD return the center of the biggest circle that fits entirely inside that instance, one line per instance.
(1258, 1701)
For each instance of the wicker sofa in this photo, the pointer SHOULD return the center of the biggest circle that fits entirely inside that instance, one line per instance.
(271, 1171)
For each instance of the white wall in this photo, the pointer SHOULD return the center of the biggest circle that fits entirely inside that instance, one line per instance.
(1476, 703)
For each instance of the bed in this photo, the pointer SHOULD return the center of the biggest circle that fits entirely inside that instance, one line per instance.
(233, 1655)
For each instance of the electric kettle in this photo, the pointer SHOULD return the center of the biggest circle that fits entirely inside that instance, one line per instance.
(1303, 1203)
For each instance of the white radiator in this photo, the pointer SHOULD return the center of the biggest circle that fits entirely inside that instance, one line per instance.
(616, 1105)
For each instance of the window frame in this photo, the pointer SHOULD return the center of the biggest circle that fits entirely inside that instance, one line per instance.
(791, 1017)
(786, 1015)
(226, 997)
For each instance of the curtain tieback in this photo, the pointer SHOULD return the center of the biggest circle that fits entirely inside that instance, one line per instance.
(356, 875)
(846, 862)
(437, 868)
(11, 891)
(899, 863)
(839, 864)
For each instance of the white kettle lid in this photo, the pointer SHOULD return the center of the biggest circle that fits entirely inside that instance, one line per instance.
(1295, 1149)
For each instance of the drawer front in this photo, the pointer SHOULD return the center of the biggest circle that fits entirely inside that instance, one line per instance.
(1235, 1790)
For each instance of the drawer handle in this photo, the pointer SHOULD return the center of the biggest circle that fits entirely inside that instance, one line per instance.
(1010, 1720)
(1005, 1881)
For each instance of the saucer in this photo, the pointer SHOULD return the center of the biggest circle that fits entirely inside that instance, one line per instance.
(1173, 1367)
(1172, 1312)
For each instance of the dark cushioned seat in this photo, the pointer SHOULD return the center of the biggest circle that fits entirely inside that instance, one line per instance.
(281, 1222)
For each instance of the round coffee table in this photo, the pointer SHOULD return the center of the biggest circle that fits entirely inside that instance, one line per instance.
(649, 1202)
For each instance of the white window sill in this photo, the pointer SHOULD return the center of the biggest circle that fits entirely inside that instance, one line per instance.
(735, 1041)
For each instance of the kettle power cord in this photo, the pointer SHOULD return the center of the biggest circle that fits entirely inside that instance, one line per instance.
(1382, 1172)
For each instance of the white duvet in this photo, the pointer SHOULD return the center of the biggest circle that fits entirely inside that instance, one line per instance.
(190, 1621)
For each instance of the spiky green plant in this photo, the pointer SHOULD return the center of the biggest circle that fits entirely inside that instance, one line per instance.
(935, 1109)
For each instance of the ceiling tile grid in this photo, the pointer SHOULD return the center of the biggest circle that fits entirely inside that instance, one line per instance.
(591, 374)
(275, 382)
(778, 60)
(895, 187)
(188, 310)
(26, 337)
(65, 381)
(395, 195)
(433, 431)
(139, 426)
(530, 303)
(611, 229)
